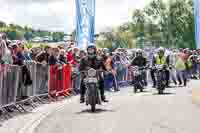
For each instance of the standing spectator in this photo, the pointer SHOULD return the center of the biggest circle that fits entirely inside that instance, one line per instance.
(53, 57)
(180, 66)
(70, 58)
(172, 61)
(125, 62)
(82, 54)
(20, 57)
(5, 54)
(76, 76)
(185, 57)
(194, 66)
(118, 67)
(76, 54)
(62, 58)
(27, 54)
(43, 56)
(35, 51)
(110, 75)
(4, 37)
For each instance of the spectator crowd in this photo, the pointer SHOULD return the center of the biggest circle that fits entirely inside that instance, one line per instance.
(185, 62)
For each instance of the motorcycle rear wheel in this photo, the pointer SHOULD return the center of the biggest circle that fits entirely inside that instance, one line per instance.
(161, 88)
(93, 107)
(160, 91)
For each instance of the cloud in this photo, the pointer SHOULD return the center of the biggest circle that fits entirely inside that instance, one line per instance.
(30, 1)
(60, 14)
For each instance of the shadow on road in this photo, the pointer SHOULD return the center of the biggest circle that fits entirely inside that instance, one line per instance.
(96, 112)
(144, 91)
(139, 92)
(165, 93)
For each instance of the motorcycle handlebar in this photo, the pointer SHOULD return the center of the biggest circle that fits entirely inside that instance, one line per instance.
(98, 71)
(140, 68)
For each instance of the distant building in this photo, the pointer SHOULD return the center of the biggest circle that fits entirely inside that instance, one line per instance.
(47, 39)
(67, 38)
(37, 39)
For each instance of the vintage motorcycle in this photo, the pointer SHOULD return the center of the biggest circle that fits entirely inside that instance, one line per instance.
(138, 78)
(160, 78)
(92, 92)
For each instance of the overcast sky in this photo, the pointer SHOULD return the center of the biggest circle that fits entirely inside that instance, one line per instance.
(60, 14)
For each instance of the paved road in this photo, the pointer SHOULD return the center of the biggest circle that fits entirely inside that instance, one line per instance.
(129, 113)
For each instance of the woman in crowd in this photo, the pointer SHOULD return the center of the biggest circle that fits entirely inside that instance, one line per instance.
(20, 56)
(43, 55)
(110, 76)
(181, 69)
(125, 62)
(53, 57)
(5, 54)
(62, 58)
(70, 58)
(118, 66)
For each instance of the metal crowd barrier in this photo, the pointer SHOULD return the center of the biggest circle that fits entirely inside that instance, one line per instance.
(13, 92)
(9, 81)
(39, 76)
(59, 83)
(31, 93)
(41, 86)
(75, 79)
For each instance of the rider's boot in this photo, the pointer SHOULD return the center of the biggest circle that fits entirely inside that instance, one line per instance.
(103, 98)
(82, 99)
(185, 82)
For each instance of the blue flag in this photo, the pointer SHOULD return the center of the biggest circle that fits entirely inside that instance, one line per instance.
(197, 22)
(85, 22)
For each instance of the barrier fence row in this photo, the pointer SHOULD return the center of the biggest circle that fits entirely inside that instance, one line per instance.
(21, 83)
(9, 78)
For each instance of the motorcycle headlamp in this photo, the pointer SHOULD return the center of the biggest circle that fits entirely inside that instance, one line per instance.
(92, 72)
(159, 66)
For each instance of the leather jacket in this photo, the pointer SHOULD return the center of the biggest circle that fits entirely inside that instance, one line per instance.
(95, 63)
(139, 61)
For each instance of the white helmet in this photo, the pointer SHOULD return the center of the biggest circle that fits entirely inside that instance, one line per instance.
(161, 49)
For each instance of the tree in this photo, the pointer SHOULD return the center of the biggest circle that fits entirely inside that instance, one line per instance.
(2, 24)
(28, 35)
(182, 23)
(58, 36)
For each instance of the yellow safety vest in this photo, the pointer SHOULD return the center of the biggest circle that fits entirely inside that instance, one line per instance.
(189, 62)
(160, 61)
(180, 65)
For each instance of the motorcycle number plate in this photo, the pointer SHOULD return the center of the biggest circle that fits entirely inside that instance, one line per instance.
(137, 73)
(92, 80)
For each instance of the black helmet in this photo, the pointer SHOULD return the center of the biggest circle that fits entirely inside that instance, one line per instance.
(92, 51)
(139, 52)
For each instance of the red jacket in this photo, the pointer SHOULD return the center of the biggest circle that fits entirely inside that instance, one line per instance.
(70, 58)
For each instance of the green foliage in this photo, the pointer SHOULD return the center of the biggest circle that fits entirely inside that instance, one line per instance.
(58, 36)
(168, 24)
(43, 45)
(17, 32)
(28, 45)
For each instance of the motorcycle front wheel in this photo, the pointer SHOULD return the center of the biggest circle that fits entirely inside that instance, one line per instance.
(161, 88)
(160, 91)
(93, 107)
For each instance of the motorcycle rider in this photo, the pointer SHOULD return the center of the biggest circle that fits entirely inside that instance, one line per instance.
(160, 59)
(140, 61)
(95, 62)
